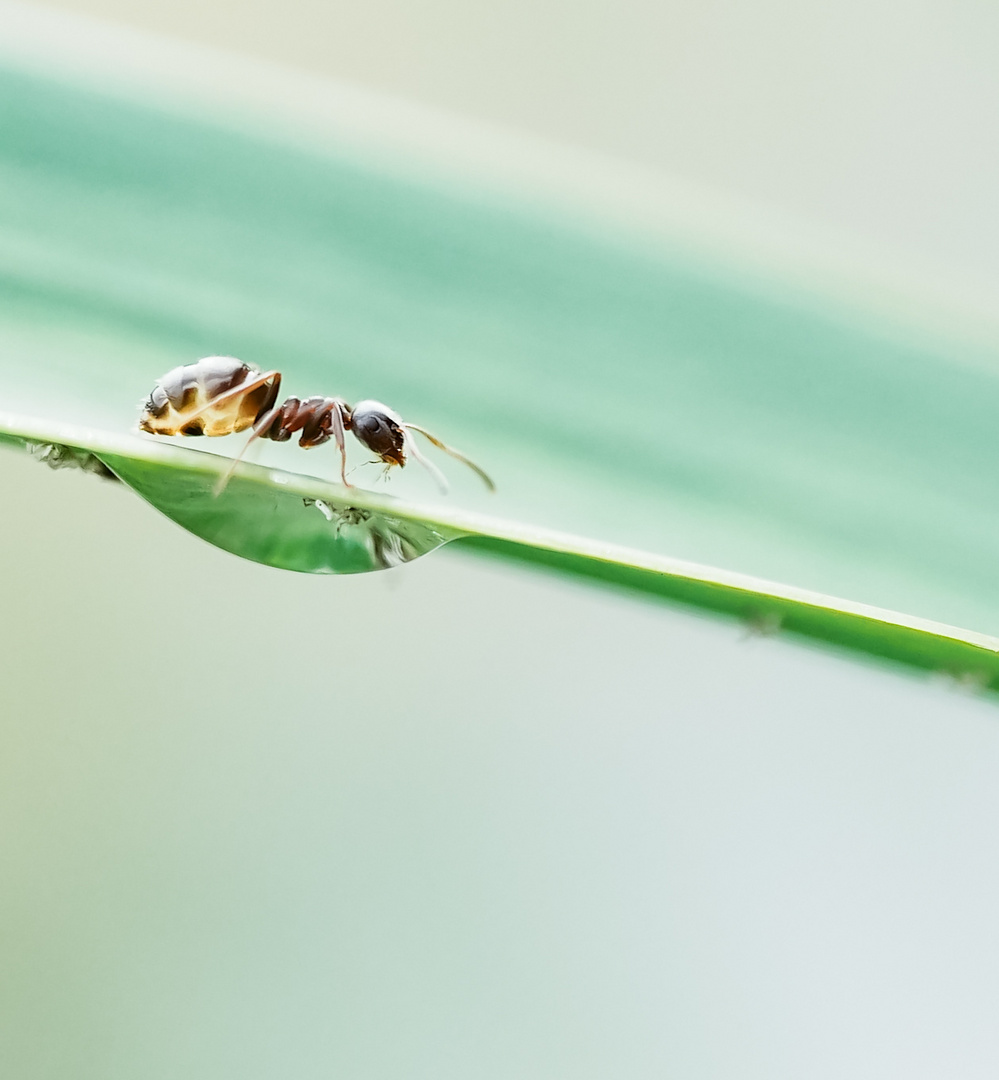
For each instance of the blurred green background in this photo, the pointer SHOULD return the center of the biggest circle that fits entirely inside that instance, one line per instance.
(458, 820)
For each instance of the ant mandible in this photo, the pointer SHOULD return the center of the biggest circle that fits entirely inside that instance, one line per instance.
(220, 395)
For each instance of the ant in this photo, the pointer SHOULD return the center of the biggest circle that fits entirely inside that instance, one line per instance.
(220, 395)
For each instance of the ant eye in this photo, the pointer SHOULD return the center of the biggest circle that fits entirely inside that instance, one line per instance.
(376, 428)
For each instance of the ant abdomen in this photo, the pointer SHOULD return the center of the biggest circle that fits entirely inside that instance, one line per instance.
(219, 395)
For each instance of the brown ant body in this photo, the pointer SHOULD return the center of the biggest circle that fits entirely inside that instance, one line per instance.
(220, 395)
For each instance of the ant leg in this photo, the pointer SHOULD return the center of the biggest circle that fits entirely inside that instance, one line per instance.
(259, 428)
(339, 426)
(448, 450)
(428, 465)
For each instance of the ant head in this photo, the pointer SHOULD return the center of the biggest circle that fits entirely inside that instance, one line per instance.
(381, 431)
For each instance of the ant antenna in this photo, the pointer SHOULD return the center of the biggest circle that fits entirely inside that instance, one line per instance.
(427, 464)
(447, 450)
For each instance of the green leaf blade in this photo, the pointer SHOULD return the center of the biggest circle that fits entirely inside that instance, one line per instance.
(309, 525)
(653, 396)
